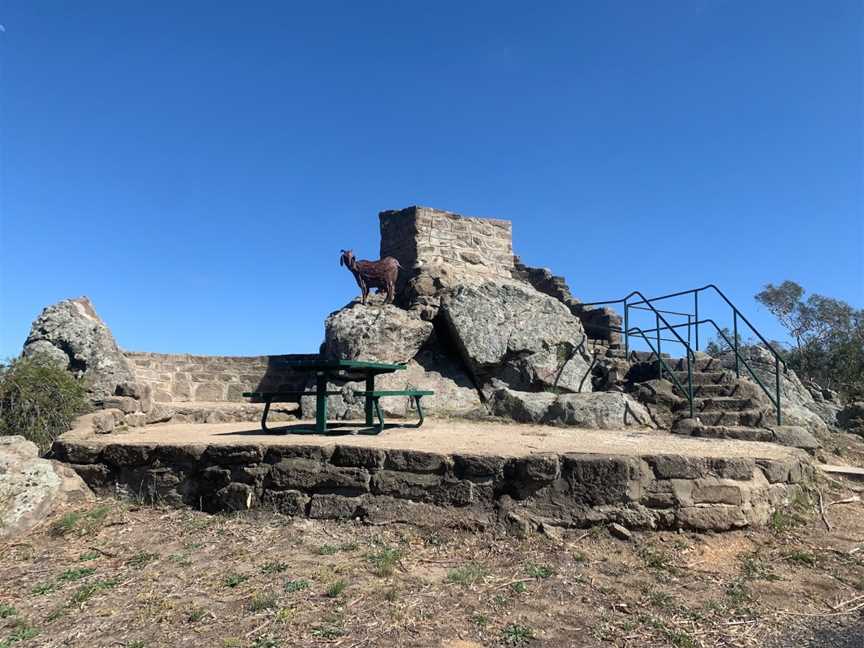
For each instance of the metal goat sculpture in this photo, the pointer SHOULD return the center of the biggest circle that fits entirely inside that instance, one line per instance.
(381, 274)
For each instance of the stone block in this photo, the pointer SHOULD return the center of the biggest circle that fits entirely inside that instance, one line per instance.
(404, 485)
(314, 477)
(774, 471)
(677, 466)
(416, 461)
(96, 475)
(336, 507)
(136, 419)
(213, 478)
(211, 391)
(358, 457)
(246, 474)
(179, 455)
(233, 454)
(234, 497)
(103, 423)
(124, 454)
(715, 517)
(717, 491)
(478, 467)
(596, 479)
(290, 502)
(275, 454)
(76, 453)
(536, 468)
(740, 468)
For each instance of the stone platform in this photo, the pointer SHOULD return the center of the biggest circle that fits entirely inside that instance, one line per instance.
(477, 472)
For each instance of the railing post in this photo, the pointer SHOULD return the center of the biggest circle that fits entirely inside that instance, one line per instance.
(735, 340)
(689, 343)
(659, 362)
(777, 383)
(696, 314)
(626, 331)
(690, 383)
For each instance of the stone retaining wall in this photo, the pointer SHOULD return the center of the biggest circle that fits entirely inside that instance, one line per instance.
(191, 378)
(424, 236)
(571, 490)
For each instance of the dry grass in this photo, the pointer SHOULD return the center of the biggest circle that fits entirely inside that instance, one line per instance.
(148, 577)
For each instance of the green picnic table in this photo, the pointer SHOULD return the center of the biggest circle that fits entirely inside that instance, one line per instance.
(324, 370)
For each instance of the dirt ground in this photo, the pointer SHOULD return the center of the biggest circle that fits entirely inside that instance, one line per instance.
(120, 574)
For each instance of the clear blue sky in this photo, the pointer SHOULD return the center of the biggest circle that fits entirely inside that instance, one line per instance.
(195, 167)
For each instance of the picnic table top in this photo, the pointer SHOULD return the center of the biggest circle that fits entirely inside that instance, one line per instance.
(334, 365)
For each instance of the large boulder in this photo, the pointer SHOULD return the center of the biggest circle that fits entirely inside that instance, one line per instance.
(31, 488)
(380, 332)
(598, 411)
(524, 407)
(511, 332)
(75, 338)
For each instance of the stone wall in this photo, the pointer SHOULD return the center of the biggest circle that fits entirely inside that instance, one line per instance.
(424, 236)
(192, 378)
(377, 485)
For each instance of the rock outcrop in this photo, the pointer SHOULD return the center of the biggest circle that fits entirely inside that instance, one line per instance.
(72, 335)
(517, 335)
(851, 418)
(31, 489)
(379, 332)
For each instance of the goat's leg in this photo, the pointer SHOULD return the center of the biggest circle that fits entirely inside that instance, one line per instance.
(364, 289)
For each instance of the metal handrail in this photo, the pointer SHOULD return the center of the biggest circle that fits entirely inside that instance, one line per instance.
(736, 315)
(662, 363)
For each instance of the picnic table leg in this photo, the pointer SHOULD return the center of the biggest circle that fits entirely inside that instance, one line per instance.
(370, 387)
(264, 415)
(321, 403)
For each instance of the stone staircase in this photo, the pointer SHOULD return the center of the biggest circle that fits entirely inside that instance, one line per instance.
(728, 407)
(725, 407)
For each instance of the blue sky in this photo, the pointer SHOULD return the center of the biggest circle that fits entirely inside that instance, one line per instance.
(195, 167)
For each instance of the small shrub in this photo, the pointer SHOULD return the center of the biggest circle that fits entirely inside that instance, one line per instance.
(467, 575)
(72, 575)
(86, 592)
(296, 585)
(327, 550)
(519, 587)
(263, 601)
(274, 567)
(39, 400)
(265, 642)
(335, 589)
(516, 635)
(802, 558)
(233, 580)
(539, 571)
(384, 561)
(7, 611)
(43, 588)
(327, 632)
(195, 614)
(90, 555)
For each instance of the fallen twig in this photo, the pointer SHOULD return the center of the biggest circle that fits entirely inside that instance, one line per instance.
(822, 511)
(848, 500)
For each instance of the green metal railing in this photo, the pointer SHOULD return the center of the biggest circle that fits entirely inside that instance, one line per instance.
(693, 323)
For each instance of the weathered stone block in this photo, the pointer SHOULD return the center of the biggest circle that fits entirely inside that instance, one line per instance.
(478, 467)
(234, 497)
(677, 466)
(733, 468)
(250, 474)
(124, 454)
(774, 471)
(212, 391)
(96, 476)
(716, 491)
(289, 502)
(314, 477)
(77, 453)
(227, 455)
(125, 404)
(335, 507)
(179, 455)
(358, 457)
(536, 468)
(275, 454)
(716, 517)
(416, 461)
(213, 478)
(413, 486)
(597, 479)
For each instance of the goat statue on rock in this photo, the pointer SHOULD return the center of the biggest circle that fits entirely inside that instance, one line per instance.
(381, 274)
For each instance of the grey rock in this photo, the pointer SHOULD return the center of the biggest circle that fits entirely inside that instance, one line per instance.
(31, 488)
(599, 411)
(514, 333)
(74, 337)
(523, 407)
(384, 333)
(288, 502)
(795, 437)
(620, 532)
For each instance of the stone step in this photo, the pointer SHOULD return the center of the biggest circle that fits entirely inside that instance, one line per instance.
(704, 377)
(721, 404)
(739, 432)
(645, 356)
(699, 364)
(712, 391)
(744, 418)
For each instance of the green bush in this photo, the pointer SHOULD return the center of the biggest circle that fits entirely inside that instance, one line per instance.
(38, 400)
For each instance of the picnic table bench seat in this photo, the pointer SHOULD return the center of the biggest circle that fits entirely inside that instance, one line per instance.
(414, 394)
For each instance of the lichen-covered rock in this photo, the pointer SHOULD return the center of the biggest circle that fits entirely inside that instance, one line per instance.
(75, 338)
(383, 333)
(598, 410)
(31, 488)
(509, 331)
